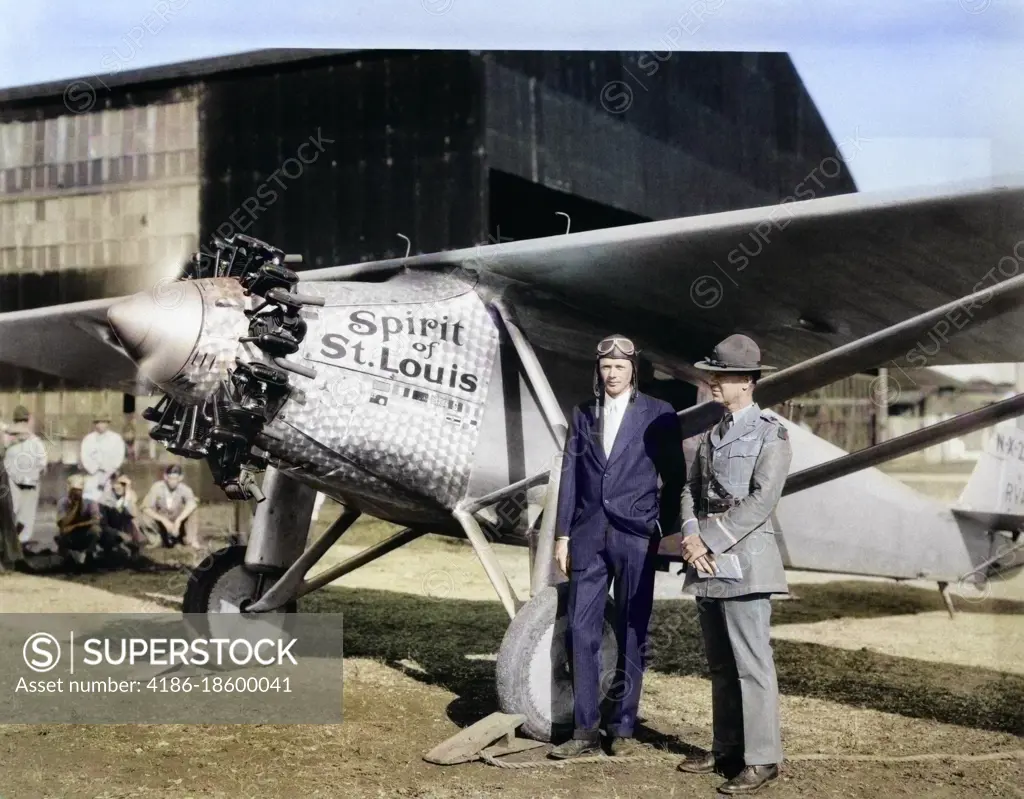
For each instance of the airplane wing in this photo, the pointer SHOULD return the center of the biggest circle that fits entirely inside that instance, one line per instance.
(800, 278)
(71, 341)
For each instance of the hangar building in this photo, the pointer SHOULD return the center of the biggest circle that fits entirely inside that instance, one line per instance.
(343, 155)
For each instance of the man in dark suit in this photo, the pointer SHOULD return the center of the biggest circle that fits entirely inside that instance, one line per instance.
(610, 521)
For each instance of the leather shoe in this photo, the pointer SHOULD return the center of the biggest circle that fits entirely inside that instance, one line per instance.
(575, 747)
(708, 763)
(752, 778)
(623, 747)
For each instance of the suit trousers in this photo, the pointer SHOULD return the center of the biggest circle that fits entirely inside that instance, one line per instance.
(744, 691)
(625, 562)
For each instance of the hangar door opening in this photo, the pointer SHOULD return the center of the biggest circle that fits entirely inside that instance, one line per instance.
(520, 209)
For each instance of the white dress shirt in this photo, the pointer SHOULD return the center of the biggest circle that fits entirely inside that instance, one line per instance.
(614, 409)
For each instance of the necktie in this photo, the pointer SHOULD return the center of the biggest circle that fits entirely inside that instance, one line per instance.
(726, 423)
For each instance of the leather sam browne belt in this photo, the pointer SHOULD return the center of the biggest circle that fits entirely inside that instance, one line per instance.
(716, 506)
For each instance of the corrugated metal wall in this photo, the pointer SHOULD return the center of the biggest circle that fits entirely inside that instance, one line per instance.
(335, 161)
(660, 135)
(843, 413)
(88, 202)
(87, 198)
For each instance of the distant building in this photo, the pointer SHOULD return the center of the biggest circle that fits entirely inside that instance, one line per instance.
(843, 413)
(848, 413)
(926, 396)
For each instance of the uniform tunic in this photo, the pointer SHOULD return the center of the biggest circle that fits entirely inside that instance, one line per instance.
(749, 463)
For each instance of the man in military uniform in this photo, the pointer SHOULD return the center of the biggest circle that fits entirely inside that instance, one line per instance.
(734, 565)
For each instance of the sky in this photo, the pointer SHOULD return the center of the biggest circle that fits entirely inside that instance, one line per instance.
(933, 89)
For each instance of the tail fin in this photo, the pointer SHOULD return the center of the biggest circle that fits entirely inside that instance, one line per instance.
(994, 496)
(996, 486)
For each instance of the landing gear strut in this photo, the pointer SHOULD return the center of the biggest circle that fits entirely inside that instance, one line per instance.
(947, 598)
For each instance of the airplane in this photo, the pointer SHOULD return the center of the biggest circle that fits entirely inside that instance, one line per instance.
(432, 391)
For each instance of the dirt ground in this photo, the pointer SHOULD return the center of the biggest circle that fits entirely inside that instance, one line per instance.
(870, 672)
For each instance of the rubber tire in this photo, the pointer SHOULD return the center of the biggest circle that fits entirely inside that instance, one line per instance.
(204, 579)
(544, 613)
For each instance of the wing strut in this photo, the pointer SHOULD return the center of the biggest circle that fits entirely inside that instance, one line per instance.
(544, 551)
(901, 445)
(877, 348)
(865, 353)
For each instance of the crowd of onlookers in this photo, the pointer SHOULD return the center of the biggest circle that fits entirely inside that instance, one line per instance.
(99, 515)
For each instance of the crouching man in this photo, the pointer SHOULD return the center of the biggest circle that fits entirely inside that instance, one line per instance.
(734, 565)
(118, 515)
(168, 511)
(80, 535)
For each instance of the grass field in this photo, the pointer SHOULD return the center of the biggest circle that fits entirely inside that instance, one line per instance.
(868, 670)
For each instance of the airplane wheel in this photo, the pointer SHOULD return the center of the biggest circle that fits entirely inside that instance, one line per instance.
(220, 584)
(534, 677)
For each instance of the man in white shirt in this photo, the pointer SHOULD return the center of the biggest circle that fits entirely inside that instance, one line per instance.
(102, 455)
(25, 462)
(611, 516)
(168, 511)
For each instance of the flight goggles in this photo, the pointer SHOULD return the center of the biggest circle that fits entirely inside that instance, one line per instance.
(611, 343)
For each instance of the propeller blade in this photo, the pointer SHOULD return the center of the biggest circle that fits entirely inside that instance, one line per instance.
(166, 267)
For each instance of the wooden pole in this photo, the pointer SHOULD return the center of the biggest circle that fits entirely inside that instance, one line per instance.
(882, 400)
(1019, 381)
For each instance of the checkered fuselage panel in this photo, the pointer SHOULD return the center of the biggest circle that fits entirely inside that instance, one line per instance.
(392, 418)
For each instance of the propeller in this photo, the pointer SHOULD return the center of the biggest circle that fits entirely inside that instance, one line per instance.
(155, 276)
(162, 301)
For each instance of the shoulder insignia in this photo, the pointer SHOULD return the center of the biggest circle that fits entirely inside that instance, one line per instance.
(780, 428)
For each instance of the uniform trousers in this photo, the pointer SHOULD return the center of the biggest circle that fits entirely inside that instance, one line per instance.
(744, 690)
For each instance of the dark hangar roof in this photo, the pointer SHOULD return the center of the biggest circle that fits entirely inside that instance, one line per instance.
(178, 72)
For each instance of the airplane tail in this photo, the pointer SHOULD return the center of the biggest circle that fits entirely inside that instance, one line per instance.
(994, 496)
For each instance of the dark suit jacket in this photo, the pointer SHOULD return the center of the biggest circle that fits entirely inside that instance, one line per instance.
(621, 489)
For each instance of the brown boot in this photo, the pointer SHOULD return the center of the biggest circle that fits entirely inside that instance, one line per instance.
(624, 747)
(751, 779)
(709, 763)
